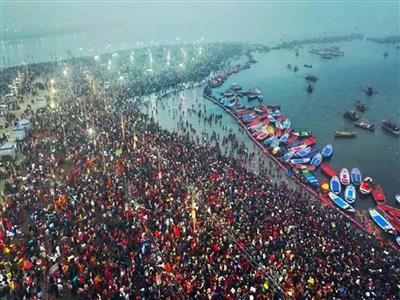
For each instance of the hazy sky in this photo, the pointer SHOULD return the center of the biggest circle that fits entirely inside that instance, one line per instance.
(245, 20)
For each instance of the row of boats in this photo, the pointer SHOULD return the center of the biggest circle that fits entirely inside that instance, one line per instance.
(326, 52)
(387, 125)
(295, 148)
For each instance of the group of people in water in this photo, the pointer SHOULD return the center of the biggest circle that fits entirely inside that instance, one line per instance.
(108, 205)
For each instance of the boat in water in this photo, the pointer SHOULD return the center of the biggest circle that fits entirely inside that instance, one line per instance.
(335, 185)
(369, 90)
(302, 134)
(341, 203)
(316, 160)
(303, 152)
(344, 176)
(350, 193)
(377, 193)
(356, 176)
(381, 220)
(310, 178)
(287, 156)
(307, 66)
(300, 160)
(365, 125)
(365, 186)
(351, 115)
(391, 127)
(327, 151)
(309, 88)
(360, 106)
(328, 170)
(345, 134)
(397, 197)
(311, 78)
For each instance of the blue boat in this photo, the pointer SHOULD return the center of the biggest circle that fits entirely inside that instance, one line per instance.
(269, 140)
(316, 160)
(341, 203)
(356, 176)
(335, 185)
(303, 152)
(327, 151)
(300, 160)
(381, 220)
(286, 124)
(288, 156)
(284, 138)
(350, 193)
(295, 144)
(310, 178)
(312, 153)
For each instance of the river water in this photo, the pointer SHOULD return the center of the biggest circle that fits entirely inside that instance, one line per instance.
(341, 83)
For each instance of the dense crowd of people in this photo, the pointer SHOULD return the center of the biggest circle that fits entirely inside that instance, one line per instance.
(107, 205)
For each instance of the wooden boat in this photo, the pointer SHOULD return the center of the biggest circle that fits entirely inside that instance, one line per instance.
(298, 148)
(278, 132)
(270, 129)
(303, 152)
(307, 66)
(397, 197)
(302, 134)
(312, 153)
(344, 176)
(365, 125)
(310, 141)
(360, 106)
(286, 124)
(345, 134)
(351, 115)
(335, 185)
(284, 138)
(327, 151)
(356, 176)
(390, 127)
(350, 193)
(278, 125)
(365, 187)
(300, 160)
(310, 178)
(328, 170)
(377, 193)
(341, 203)
(287, 156)
(262, 136)
(381, 220)
(392, 214)
(316, 160)
(269, 140)
(291, 140)
(303, 167)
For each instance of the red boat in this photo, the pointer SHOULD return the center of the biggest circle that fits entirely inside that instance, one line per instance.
(281, 118)
(254, 122)
(304, 167)
(257, 133)
(310, 141)
(278, 133)
(266, 122)
(291, 140)
(288, 131)
(377, 193)
(392, 215)
(262, 136)
(328, 170)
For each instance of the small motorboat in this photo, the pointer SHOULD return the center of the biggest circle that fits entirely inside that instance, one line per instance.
(344, 176)
(377, 193)
(302, 134)
(390, 127)
(381, 220)
(300, 160)
(287, 156)
(309, 88)
(397, 197)
(360, 106)
(328, 170)
(310, 178)
(298, 148)
(291, 140)
(262, 136)
(356, 176)
(278, 125)
(286, 124)
(311, 78)
(310, 141)
(327, 151)
(270, 140)
(341, 203)
(365, 125)
(345, 134)
(350, 193)
(369, 90)
(307, 66)
(335, 185)
(303, 152)
(284, 138)
(351, 115)
(365, 187)
(316, 160)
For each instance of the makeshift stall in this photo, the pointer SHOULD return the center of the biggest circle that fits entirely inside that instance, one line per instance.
(8, 150)
(19, 132)
(25, 123)
(41, 102)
